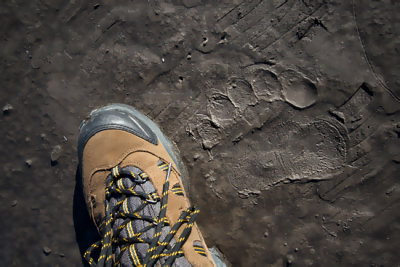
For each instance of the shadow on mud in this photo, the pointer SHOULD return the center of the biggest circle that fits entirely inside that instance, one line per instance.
(85, 230)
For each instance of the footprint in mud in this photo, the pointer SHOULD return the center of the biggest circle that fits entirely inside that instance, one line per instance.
(238, 101)
(205, 131)
(298, 90)
(221, 110)
(260, 84)
(290, 86)
(287, 151)
(265, 84)
(241, 93)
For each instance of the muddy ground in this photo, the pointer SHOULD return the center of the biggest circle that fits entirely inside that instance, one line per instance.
(286, 114)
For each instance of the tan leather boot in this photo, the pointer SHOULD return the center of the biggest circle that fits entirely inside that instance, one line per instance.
(134, 193)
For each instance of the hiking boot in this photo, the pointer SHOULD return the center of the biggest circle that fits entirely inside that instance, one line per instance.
(131, 176)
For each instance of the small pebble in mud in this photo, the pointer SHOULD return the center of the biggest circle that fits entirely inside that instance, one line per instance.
(266, 234)
(296, 250)
(55, 154)
(289, 259)
(7, 109)
(27, 139)
(62, 255)
(205, 41)
(196, 156)
(14, 203)
(28, 163)
(285, 244)
(46, 250)
(189, 56)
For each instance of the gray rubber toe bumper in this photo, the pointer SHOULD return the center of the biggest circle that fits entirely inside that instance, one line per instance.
(111, 117)
(126, 118)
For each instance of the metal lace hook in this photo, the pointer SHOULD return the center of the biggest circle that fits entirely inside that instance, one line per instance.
(151, 200)
(168, 171)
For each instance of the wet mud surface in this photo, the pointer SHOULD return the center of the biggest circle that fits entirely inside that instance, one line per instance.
(286, 114)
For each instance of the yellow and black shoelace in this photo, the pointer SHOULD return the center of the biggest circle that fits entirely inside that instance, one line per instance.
(112, 239)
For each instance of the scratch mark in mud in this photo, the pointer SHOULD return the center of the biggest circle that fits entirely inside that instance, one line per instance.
(377, 216)
(165, 72)
(364, 156)
(329, 232)
(313, 23)
(364, 86)
(248, 12)
(324, 195)
(380, 81)
(350, 180)
(291, 29)
(227, 13)
(79, 11)
(251, 25)
(240, 16)
(261, 33)
(304, 3)
(108, 28)
(282, 4)
(162, 111)
(259, 20)
(111, 25)
(184, 108)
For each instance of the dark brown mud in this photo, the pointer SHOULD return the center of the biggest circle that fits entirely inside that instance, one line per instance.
(286, 114)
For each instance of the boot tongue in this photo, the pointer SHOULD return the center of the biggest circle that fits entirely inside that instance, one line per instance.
(129, 205)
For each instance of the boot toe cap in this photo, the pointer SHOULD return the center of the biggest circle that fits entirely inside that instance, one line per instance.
(113, 117)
